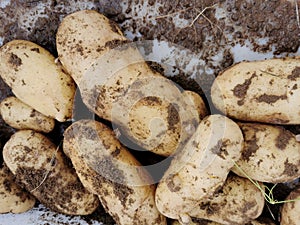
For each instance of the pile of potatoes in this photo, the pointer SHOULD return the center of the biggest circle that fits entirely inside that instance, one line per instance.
(217, 160)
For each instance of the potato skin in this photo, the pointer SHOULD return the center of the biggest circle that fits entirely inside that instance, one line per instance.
(262, 91)
(29, 155)
(206, 222)
(270, 154)
(117, 84)
(13, 198)
(290, 212)
(237, 202)
(21, 116)
(109, 170)
(200, 168)
(36, 80)
(197, 102)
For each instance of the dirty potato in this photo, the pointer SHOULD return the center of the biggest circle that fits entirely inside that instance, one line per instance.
(196, 221)
(239, 201)
(46, 174)
(118, 85)
(108, 170)
(21, 116)
(36, 80)
(13, 198)
(290, 213)
(270, 154)
(197, 102)
(263, 91)
(200, 168)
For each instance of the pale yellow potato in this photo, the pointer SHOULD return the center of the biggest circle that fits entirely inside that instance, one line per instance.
(21, 116)
(270, 154)
(36, 80)
(44, 171)
(262, 91)
(13, 199)
(239, 201)
(196, 102)
(117, 84)
(206, 222)
(200, 168)
(290, 212)
(108, 169)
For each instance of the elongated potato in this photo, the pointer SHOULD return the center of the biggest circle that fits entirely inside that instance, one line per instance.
(36, 80)
(290, 213)
(118, 85)
(45, 173)
(13, 198)
(200, 168)
(270, 154)
(239, 201)
(108, 170)
(21, 116)
(262, 91)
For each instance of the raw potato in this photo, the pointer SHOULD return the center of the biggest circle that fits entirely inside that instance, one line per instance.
(290, 213)
(263, 91)
(118, 85)
(271, 154)
(12, 197)
(21, 116)
(205, 222)
(239, 201)
(108, 170)
(197, 102)
(36, 80)
(200, 168)
(43, 170)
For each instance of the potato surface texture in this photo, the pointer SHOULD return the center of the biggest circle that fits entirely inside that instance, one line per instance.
(45, 173)
(21, 116)
(271, 154)
(36, 80)
(239, 201)
(200, 168)
(118, 85)
(262, 91)
(108, 169)
(13, 198)
(290, 212)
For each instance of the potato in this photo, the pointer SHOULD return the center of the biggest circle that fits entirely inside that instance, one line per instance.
(197, 102)
(206, 222)
(262, 91)
(117, 84)
(46, 174)
(108, 170)
(21, 116)
(239, 201)
(13, 198)
(290, 212)
(270, 154)
(200, 168)
(36, 80)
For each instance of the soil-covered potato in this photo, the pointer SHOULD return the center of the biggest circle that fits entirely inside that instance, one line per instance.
(21, 116)
(290, 213)
(13, 198)
(44, 171)
(35, 78)
(201, 168)
(108, 169)
(118, 85)
(261, 91)
(239, 201)
(270, 154)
